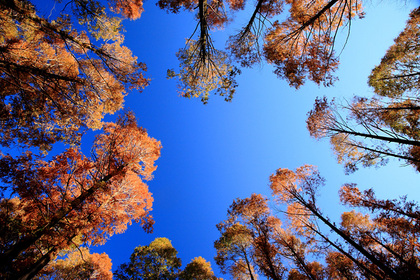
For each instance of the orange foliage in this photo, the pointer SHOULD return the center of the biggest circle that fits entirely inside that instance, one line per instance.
(339, 266)
(77, 197)
(382, 245)
(236, 5)
(79, 264)
(302, 45)
(398, 73)
(386, 125)
(56, 81)
(131, 9)
(57, 84)
(286, 184)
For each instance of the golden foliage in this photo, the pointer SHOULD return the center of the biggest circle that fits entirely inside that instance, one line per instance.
(79, 264)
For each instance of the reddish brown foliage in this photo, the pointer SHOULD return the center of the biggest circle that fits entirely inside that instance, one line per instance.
(73, 196)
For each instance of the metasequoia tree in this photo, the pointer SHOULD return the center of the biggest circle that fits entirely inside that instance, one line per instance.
(72, 199)
(234, 254)
(395, 223)
(253, 242)
(398, 73)
(203, 68)
(159, 260)
(340, 267)
(362, 137)
(54, 81)
(301, 46)
(385, 125)
(79, 264)
(59, 78)
(254, 213)
(380, 245)
(369, 243)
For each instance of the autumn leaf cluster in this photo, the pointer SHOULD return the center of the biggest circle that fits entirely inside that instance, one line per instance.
(60, 78)
(58, 81)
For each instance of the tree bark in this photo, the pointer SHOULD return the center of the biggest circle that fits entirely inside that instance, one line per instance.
(8, 256)
(387, 270)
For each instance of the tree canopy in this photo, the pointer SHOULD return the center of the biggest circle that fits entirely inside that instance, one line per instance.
(56, 84)
(61, 75)
(159, 261)
(74, 197)
(386, 125)
(55, 81)
(295, 240)
(79, 264)
(300, 46)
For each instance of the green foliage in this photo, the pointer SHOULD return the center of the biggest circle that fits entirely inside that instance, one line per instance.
(159, 261)
(198, 269)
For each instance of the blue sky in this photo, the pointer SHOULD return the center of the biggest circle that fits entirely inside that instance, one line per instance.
(217, 152)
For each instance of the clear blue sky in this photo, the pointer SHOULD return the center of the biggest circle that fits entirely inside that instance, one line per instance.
(215, 153)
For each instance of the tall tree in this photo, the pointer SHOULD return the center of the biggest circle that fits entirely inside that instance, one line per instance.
(72, 196)
(362, 137)
(368, 243)
(253, 215)
(203, 68)
(234, 255)
(253, 242)
(301, 46)
(54, 81)
(398, 73)
(308, 245)
(59, 78)
(395, 227)
(386, 125)
(158, 260)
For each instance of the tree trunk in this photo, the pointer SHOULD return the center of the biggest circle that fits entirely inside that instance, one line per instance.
(202, 13)
(7, 258)
(378, 137)
(34, 269)
(387, 270)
